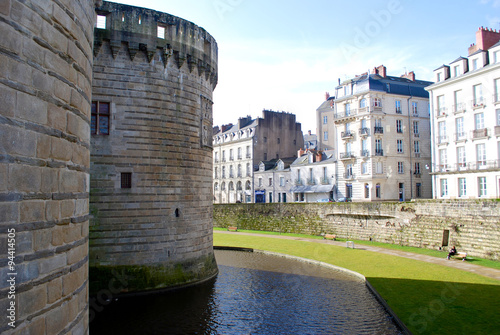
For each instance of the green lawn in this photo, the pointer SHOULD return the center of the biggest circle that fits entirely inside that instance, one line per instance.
(429, 252)
(428, 298)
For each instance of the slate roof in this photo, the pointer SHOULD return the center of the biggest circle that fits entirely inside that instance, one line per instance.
(392, 85)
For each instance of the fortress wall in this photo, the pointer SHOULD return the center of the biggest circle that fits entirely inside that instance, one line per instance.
(45, 90)
(158, 232)
(472, 225)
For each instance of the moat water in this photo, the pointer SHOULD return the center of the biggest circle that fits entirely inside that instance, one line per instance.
(253, 294)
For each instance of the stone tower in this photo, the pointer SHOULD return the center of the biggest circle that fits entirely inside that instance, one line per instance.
(45, 90)
(151, 151)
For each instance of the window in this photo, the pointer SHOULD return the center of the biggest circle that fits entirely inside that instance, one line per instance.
(443, 158)
(270, 182)
(310, 175)
(282, 181)
(415, 129)
(418, 190)
(239, 153)
(348, 171)
(248, 170)
(239, 171)
(325, 136)
(459, 125)
(442, 138)
(364, 168)
(378, 191)
(416, 148)
(458, 101)
(496, 57)
(248, 152)
(461, 157)
(348, 190)
(378, 147)
(417, 168)
(474, 64)
(248, 186)
(231, 171)
(126, 180)
(265, 156)
(223, 186)
(498, 116)
(481, 186)
(441, 109)
(260, 181)
(325, 175)
(379, 167)
(216, 186)
(496, 96)
(270, 197)
(462, 187)
(398, 107)
(414, 108)
(377, 102)
(101, 22)
(223, 155)
(481, 154)
(362, 103)
(477, 91)
(325, 119)
(400, 146)
(99, 118)
(401, 168)
(223, 172)
(399, 126)
(367, 191)
(161, 32)
(444, 187)
(438, 77)
(238, 186)
(216, 158)
(216, 172)
(347, 109)
(231, 155)
(479, 121)
(231, 186)
(456, 70)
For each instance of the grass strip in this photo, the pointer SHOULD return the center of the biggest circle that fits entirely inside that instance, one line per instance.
(429, 252)
(428, 298)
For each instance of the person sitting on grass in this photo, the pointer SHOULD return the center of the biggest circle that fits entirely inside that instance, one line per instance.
(452, 252)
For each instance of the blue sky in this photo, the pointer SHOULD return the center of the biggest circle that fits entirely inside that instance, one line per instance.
(284, 55)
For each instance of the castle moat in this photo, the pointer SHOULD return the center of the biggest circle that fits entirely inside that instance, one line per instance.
(253, 294)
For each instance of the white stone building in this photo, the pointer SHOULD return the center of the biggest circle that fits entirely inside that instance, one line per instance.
(313, 176)
(272, 181)
(382, 137)
(465, 114)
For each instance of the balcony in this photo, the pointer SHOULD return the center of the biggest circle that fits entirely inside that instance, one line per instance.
(480, 133)
(378, 130)
(299, 182)
(399, 111)
(492, 165)
(239, 157)
(459, 108)
(462, 136)
(441, 112)
(416, 134)
(379, 152)
(417, 154)
(349, 176)
(346, 155)
(325, 181)
(311, 181)
(345, 114)
(478, 103)
(496, 98)
(364, 131)
(345, 135)
(365, 153)
(442, 139)
(417, 175)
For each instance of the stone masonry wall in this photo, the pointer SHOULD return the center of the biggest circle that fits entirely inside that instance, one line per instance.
(158, 232)
(45, 90)
(473, 225)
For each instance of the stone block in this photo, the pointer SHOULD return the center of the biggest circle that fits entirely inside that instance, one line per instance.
(50, 264)
(77, 254)
(16, 141)
(73, 280)
(71, 181)
(41, 81)
(5, 7)
(67, 208)
(54, 290)
(9, 212)
(53, 36)
(57, 117)
(82, 207)
(78, 127)
(57, 236)
(10, 39)
(43, 146)
(72, 233)
(32, 211)
(41, 239)
(35, 327)
(8, 105)
(62, 91)
(4, 176)
(24, 178)
(31, 108)
(50, 179)
(60, 149)
(56, 319)
(31, 301)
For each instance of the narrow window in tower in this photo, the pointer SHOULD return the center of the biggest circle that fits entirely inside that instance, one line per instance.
(126, 180)
(99, 124)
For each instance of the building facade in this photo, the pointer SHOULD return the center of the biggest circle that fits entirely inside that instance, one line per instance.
(382, 134)
(239, 148)
(313, 176)
(272, 181)
(465, 114)
(325, 127)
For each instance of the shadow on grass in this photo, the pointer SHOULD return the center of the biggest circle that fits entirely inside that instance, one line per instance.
(436, 307)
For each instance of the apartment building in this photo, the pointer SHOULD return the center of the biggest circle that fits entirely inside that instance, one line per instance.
(272, 181)
(465, 114)
(240, 147)
(382, 136)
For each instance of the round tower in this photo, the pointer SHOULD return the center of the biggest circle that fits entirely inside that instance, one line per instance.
(151, 152)
(45, 89)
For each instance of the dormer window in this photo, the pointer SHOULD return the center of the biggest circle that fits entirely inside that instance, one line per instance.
(456, 70)
(474, 64)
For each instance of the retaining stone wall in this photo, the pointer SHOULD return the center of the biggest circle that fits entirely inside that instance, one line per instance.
(473, 225)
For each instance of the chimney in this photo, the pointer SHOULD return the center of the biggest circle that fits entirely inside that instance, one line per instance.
(226, 126)
(410, 76)
(485, 39)
(327, 96)
(318, 156)
(300, 153)
(380, 70)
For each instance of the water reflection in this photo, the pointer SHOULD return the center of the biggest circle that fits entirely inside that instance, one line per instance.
(253, 294)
